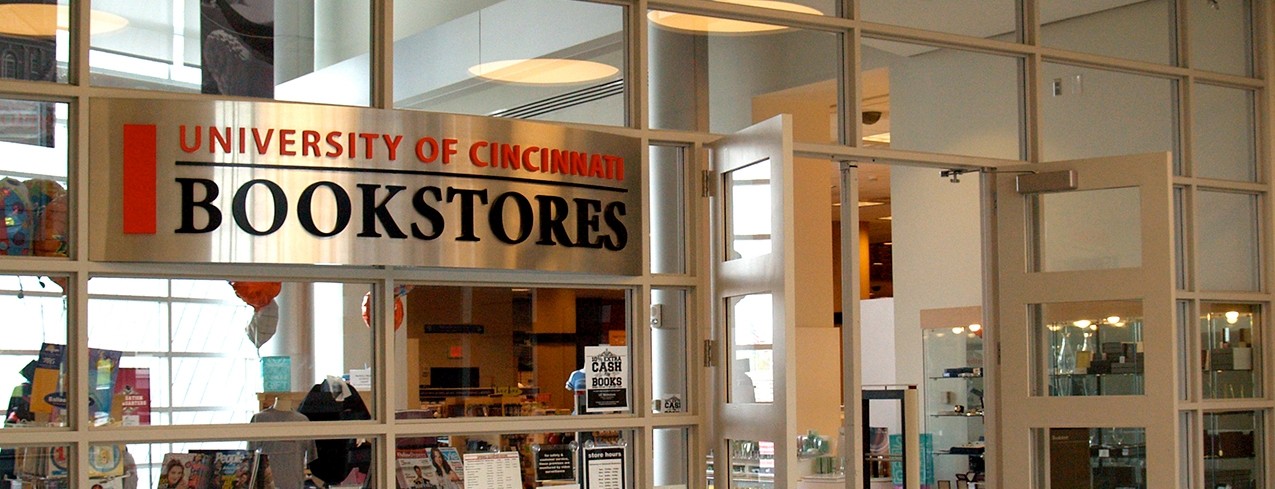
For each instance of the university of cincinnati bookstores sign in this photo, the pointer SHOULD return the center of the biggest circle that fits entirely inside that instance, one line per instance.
(261, 182)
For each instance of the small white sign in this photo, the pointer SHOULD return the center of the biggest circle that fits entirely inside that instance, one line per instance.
(361, 379)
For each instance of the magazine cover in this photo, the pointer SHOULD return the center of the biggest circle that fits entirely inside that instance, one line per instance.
(232, 468)
(185, 471)
(131, 403)
(453, 458)
(411, 468)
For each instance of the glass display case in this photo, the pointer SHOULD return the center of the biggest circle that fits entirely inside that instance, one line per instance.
(1229, 351)
(954, 401)
(1099, 458)
(1091, 348)
(1232, 454)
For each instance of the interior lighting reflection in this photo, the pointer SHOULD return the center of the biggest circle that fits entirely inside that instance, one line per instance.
(958, 329)
(1083, 323)
(543, 71)
(976, 327)
(716, 25)
(44, 20)
(1232, 317)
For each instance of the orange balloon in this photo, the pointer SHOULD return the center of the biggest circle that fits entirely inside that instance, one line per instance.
(367, 311)
(257, 294)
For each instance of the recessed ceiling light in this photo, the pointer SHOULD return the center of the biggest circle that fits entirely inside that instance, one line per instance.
(870, 204)
(717, 25)
(44, 20)
(543, 71)
(886, 218)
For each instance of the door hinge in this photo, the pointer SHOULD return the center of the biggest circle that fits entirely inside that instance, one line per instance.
(710, 353)
(706, 183)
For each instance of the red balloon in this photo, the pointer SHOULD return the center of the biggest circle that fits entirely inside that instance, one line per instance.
(257, 294)
(367, 311)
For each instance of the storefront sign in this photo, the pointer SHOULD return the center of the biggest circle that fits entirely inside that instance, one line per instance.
(604, 467)
(606, 379)
(259, 182)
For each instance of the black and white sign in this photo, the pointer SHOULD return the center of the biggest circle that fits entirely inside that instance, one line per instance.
(555, 463)
(606, 375)
(604, 468)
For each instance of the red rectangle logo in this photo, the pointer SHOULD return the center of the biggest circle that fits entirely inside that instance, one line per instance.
(139, 179)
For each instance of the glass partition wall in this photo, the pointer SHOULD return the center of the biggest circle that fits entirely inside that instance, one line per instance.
(1048, 84)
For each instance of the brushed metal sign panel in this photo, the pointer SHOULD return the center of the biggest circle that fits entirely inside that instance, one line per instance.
(263, 182)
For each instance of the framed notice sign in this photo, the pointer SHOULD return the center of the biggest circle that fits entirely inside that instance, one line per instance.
(554, 463)
(604, 467)
(492, 471)
(606, 376)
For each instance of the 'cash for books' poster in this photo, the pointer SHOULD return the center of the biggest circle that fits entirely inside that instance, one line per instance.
(606, 377)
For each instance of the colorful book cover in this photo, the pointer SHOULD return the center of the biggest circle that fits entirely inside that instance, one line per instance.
(131, 403)
(46, 384)
(185, 471)
(232, 468)
(103, 366)
(106, 461)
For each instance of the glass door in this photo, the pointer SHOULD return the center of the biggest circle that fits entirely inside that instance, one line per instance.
(752, 245)
(1088, 345)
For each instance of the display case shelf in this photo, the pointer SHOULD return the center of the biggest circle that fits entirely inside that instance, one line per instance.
(954, 398)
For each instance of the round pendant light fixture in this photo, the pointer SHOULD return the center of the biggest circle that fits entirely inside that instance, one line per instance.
(716, 25)
(44, 20)
(544, 71)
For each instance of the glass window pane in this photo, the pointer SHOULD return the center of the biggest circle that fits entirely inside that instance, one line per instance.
(672, 457)
(308, 51)
(33, 177)
(1089, 348)
(1088, 230)
(32, 358)
(1221, 35)
(668, 209)
(1230, 351)
(1138, 30)
(262, 463)
(752, 465)
(503, 59)
(748, 211)
(991, 19)
(747, 78)
(1090, 114)
(1096, 457)
(669, 313)
(532, 459)
(37, 466)
(217, 352)
(936, 100)
(34, 40)
(751, 329)
(493, 351)
(1233, 449)
(1228, 241)
(1224, 143)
